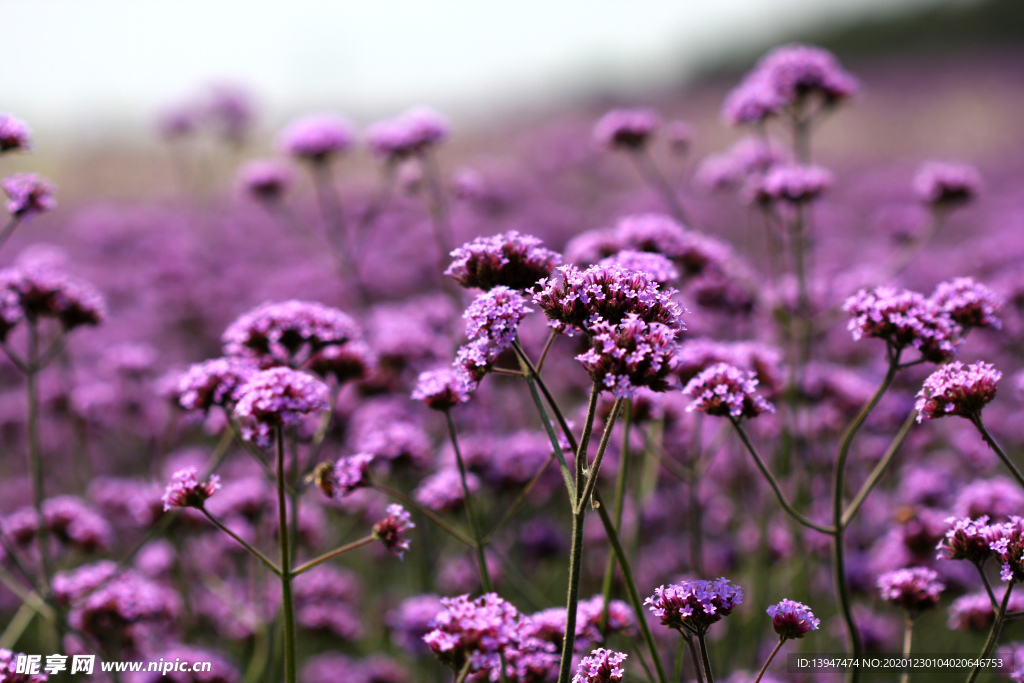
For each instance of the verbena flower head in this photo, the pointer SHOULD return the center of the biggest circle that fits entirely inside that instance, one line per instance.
(474, 630)
(390, 529)
(946, 185)
(9, 667)
(346, 475)
(605, 294)
(213, 383)
(511, 259)
(904, 319)
(29, 195)
(288, 332)
(967, 539)
(495, 315)
(14, 135)
(626, 128)
(413, 132)
(601, 666)
(265, 180)
(973, 612)
(1008, 545)
(915, 589)
(969, 303)
(277, 397)
(792, 619)
(694, 605)
(317, 138)
(726, 391)
(34, 293)
(442, 491)
(630, 355)
(957, 390)
(444, 388)
(793, 183)
(656, 266)
(186, 491)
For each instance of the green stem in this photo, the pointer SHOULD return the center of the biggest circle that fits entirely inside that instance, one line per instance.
(993, 634)
(880, 468)
(35, 459)
(620, 495)
(988, 586)
(8, 230)
(332, 554)
(990, 440)
(760, 674)
(594, 470)
(705, 658)
(474, 528)
(694, 656)
(287, 599)
(242, 542)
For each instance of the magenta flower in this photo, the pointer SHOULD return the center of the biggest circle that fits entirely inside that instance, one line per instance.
(968, 539)
(626, 128)
(904, 319)
(792, 183)
(601, 666)
(495, 315)
(185, 491)
(288, 332)
(956, 390)
(317, 138)
(444, 388)
(278, 397)
(969, 303)
(9, 666)
(265, 180)
(346, 475)
(14, 135)
(389, 530)
(726, 391)
(656, 266)
(792, 619)
(1008, 545)
(694, 605)
(511, 259)
(42, 292)
(630, 355)
(475, 630)
(29, 195)
(442, 491)
(411, 133)
(914, 589)
(213, 383)
(944, 184)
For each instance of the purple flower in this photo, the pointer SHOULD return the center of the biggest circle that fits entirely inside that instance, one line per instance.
(792, 619)
(956, 390)
(442, 491)
(346, 475)
(9, 665)
(412, 620)
(630, 355)
(605, 294)
(967, 539)
(694, 605)
(510, 259)
(495, 315)
(726, 391)
(42, 292)
(30, 195)
(186, 491)
(213, 383)
(973, 612)
(389, 530)
(444, 388)
(697, 355)
(317, 138)
(14, 135)
(265, 180)
(752, 101)
(1008, 545)
(904, 318)
(654, 265)
(288, 332)
(944, 184)
(474, 630)
(914, 589)
(275, 398)
(969, 303)
(749, 157)
(411, 133)
(792, 183)
(626, 128)
(601, 666)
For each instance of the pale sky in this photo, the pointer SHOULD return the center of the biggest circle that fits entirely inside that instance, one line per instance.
(72, 63)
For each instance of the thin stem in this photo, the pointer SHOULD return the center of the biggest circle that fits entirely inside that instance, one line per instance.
(287, 599)
(463, 672)
(694, 656)
(620, 495)
(429, 514)
(594, 470)
(332, 554)
(790, 510)
(241, 541)
(8, 229)
(16, 627)
(993, 634)
(652, 175)
(693, 488)
(760, 674)
(908, 639)
(552, 335)
(990, 440)
(880, 468)
(988, 586)
(474, 528)
(704, 657)
(677, 674)
(35, 458)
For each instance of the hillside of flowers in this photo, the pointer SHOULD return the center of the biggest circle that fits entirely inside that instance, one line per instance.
(613, 404)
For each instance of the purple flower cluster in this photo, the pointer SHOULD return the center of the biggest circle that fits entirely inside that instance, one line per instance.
(726, 391)
(945, 184)
(694, 605)
(33, 293)
(793, 183)
(474, 630)
(601, 666)
(968, 539)
(14, 135)
(442, 490)
(626, 128)
(317, 138)
(495, 315)
(265, 180)
(656, 266)
(969, 303)
(444, 388)
(8, 669)
(29, 195)
(412, 133)
(748, 159)
(630, 355)
(346, 475)
(509, 259)
(792, 619)
(904, 319)
(1008, 547)
(390, 529)
(973, 612)
(957, 390)
(213, 382)
(277, 397)
(186, 491)
(915, 589)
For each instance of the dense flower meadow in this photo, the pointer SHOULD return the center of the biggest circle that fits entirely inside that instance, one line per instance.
(611, 414)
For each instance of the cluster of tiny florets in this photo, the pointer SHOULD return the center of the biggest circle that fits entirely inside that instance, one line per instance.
(346, 475)
(630, 355)
(511, 259)
(792, 619)
(316, 138)
(288, 332)
(656, 266)
(444, 388)
(969, 303)
(694, 605)
(600, 666)
(914, 589)
(946, 184)
(968, 539)
(29, 195)
(477, 630)
(185, 490)
(390, 529)
(1008, 546)
(904, 319)
(33, 293)
(213, 382)
(495, 315)
(626, 128)
(793, 183)
(726, 391)
(954, 389)
(14, 135)
(277, 397)
(411, 133)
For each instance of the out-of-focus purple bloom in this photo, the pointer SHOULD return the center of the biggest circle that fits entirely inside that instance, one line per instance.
(969, 303)
(956, 390)
(265, 180)
(353, 360)
(412, 620)
(511, 259)
(325, 600)
(1008, 545)
(46, 293)
(973, 612)
(477, 631)
(601, 666)
(230, 111)
(626, 128)
(288, 332)
(317, 138)
(443, 389)
(388, 430)
(656, 266)
(726, 391)
(413, 132)
(178, 121)
(997, 498)
(904, 318)
(214, 383)
(9, 667)
(220, 671)
(697, 355)
(630, 355)
(29, 195)
(442, 491)
(915, 589)
(68, 518)
(186, 491)
(390, 529)
(476, 358)
(792, 183)
(749, 157)
(680, 136)
(946, 184)
(14, 135)
(751, 102)
(792, 619)
(694, 605)
(277, 397)
(346, 475)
